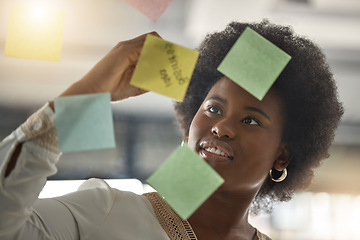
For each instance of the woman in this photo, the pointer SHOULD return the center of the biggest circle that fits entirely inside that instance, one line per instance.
(265, 150)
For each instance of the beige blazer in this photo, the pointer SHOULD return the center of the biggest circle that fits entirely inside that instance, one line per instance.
(96, 211)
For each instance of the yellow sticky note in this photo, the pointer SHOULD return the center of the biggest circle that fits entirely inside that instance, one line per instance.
(35, 33)
(164, 67)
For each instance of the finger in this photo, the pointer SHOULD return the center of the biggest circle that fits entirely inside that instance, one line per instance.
(139, 41)
(155, 34)
(125, 89)
(143, 36)
(137, 44)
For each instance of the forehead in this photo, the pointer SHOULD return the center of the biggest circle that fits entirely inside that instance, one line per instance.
(236, 95)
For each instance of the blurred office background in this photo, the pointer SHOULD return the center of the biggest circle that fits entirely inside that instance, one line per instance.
(145, 127)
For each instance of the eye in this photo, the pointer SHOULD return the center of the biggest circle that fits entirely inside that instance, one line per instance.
(213, 109)
(251, 121)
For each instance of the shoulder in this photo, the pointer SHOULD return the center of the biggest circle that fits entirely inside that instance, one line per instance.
(96, 202)
(94, 194)
(97, 193)
(262, 236)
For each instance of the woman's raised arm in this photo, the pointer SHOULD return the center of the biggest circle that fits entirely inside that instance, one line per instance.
(29, 155)
(113, 72)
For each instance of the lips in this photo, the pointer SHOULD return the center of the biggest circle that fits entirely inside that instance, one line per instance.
(216, 150)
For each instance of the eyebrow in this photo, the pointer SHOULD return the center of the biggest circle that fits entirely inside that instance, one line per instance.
(219, 99)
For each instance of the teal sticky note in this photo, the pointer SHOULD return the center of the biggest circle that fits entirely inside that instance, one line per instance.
(84, 122)
(185, 181)
(254, 63)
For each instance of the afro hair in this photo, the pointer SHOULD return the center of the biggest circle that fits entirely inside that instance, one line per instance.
(308, 91)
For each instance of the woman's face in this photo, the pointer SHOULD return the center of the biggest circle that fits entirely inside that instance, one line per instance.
(238, 135)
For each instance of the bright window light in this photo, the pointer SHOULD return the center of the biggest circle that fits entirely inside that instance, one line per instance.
(57, 188)
(35, 32)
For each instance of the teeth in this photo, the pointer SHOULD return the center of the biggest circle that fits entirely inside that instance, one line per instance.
(216, 151)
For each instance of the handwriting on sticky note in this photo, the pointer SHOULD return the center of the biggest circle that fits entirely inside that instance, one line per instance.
(35, 33)
(152, 9)
(185, 181)
(254, 63)
(164, 67)
(176, 71)
(84, 122)
(165, 77)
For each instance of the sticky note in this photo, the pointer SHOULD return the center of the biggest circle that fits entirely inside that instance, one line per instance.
(152, 9)
(84, 122)
(254, 63)
(164, 67)
(35, 33)
(185, 181)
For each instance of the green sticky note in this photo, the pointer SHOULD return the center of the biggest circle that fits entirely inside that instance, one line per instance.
(164, 67)
(254, 63)
(185, 181)
(84, 122)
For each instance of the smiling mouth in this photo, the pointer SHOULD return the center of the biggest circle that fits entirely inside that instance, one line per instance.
(216, 151)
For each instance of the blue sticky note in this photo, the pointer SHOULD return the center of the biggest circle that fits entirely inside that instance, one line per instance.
(254, 63)
(84, 122)
(185, 181)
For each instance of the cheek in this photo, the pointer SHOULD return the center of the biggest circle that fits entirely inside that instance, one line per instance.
(265, 147)
(195, 131)
(265, 144)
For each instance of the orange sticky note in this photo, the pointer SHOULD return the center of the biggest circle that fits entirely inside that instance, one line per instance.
(152, 9)
(164, 67)
(35, 33)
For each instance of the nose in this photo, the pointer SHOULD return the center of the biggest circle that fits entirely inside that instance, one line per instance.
(223, 129)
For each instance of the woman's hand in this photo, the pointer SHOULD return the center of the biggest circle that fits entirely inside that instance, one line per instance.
(113, 72)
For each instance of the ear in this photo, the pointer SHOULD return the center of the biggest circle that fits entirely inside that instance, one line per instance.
(283, 158)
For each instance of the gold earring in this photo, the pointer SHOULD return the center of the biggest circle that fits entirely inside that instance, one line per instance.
(281, 178)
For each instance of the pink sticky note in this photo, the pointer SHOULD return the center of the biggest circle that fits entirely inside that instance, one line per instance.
(153, 9)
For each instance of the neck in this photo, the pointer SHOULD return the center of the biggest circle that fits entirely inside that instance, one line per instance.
(223, 217)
